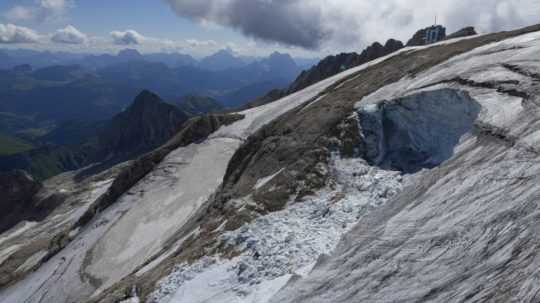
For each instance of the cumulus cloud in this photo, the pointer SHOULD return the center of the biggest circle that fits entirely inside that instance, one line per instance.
(10, 33)
(69, 35)
(314, 23)
(42, 10)
(127, 37)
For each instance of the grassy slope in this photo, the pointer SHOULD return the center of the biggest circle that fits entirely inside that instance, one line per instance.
(10, 145)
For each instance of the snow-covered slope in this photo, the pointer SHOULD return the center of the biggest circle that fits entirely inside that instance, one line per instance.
(466, 230)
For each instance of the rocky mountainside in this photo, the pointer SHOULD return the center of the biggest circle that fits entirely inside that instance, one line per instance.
(145, 125)
(328, 67)
(410, 178)
(17, 189)
(198, 105)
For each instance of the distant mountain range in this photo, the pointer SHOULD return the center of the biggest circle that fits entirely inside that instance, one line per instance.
(221, 60)
(146, 124)
(48, 97)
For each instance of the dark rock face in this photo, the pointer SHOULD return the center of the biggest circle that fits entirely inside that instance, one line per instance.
(146, 124)
(464, 32)
(333, 65)
(17, 189)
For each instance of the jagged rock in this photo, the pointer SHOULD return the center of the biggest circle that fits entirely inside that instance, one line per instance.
(420, 37)
(331, 66)
(464, 32)
(17, 190)
(335, 64)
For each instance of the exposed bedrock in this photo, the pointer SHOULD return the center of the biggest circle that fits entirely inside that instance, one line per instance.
(417, 131)
(19, 200)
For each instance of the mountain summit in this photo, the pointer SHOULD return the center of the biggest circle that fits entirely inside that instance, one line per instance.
(144, 125)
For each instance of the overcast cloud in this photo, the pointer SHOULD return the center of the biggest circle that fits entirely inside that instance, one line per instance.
(314, 24)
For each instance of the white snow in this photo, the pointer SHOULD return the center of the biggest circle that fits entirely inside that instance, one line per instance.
(8, 252)
(262, 182)
(277, 246)
(26, 225)
(133, 299)
(314, 101)
(32, 261)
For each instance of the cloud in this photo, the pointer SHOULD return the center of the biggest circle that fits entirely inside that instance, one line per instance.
(316, 24)
(127, 38)
(42, 10)
(293, 22)
(69, 35)
(10, 33)
(198, 43)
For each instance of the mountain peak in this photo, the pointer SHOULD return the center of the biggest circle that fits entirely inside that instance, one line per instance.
(144, 99)
(223, 59)
(130, 54)
(146, 124)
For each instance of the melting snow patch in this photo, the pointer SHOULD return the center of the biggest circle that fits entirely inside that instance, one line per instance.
(26, 226)
(262, 182)
(275, 247)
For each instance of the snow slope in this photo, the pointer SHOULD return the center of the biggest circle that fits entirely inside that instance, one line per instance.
(466, 230)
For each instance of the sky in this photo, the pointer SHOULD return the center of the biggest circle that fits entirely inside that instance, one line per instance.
(247, 27)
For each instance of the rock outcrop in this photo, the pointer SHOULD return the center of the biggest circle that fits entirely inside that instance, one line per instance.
(428, 35)
(335, 64)
(17, 190)
(464, 32)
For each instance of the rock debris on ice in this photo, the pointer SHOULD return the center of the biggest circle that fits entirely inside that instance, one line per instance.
(279, 245)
